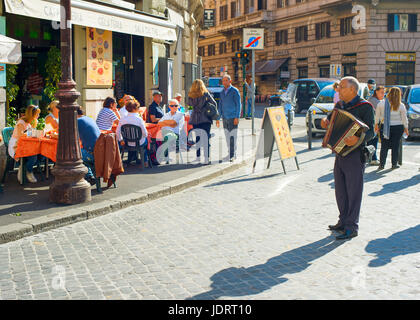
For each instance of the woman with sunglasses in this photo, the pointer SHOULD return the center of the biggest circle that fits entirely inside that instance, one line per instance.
(28, 122)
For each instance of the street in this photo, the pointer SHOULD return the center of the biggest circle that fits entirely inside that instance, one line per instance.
(239, 236)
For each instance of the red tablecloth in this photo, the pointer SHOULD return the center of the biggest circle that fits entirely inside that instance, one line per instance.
(27, 147)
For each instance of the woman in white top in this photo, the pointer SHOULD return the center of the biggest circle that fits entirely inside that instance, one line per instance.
(28, 121)
(391, 115)
(51, 120)
(133, 117)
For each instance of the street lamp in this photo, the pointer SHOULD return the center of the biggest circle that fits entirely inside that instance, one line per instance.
(69, 186)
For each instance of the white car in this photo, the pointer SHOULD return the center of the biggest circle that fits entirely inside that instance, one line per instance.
(323, 105)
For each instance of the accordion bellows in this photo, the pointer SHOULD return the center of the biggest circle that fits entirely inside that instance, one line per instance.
(342, 125)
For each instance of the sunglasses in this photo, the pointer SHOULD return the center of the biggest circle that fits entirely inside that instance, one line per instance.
(173, 105)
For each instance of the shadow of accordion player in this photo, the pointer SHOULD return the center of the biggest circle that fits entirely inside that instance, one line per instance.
(349, 127)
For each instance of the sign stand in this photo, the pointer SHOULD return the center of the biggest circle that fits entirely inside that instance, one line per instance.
(275, 129)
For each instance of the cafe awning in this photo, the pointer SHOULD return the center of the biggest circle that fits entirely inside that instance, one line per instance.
(10, 50)
(267, 67)
(97, 16)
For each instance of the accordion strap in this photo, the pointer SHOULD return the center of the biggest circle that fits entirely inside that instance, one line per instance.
(358, 105)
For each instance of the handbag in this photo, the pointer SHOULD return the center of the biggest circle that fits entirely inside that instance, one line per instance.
(210, 110)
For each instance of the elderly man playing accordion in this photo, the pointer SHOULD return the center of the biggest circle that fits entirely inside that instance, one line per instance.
(349, 169)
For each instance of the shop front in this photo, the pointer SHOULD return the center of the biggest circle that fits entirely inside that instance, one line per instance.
(108, 49)
(400, 68)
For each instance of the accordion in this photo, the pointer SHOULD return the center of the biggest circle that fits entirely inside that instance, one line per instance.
(342, 125)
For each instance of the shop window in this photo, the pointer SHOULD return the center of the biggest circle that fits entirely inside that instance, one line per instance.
(324, 71)
(212, 72)
(400, 73)
(402, 22)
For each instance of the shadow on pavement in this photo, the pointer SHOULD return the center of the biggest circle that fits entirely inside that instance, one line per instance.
(235, 282)
(397, 186)
(326, 177)
(240, 179)
(398, 244)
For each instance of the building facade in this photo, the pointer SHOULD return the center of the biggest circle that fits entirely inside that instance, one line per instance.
(377, 39)
(142, 45)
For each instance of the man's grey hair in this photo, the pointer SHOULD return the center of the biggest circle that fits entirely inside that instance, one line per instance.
(173, 101)
(352, 82)
(227, 76)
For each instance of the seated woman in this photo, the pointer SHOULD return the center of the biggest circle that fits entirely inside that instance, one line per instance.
(28, 121)
(133, 118)
(109, 115)
(51, 120)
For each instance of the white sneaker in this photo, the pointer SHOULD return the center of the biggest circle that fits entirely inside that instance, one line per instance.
(31, 178)
(374, 163)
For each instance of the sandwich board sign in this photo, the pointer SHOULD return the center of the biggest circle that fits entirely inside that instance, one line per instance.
(276, 129)
(253, 39)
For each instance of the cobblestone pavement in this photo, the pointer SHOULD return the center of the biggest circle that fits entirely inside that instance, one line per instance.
(242, 236)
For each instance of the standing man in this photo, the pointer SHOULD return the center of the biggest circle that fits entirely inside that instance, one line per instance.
(230, 111)
(349, 170)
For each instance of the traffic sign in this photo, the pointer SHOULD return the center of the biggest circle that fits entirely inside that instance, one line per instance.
(336, 70)
(253, 39)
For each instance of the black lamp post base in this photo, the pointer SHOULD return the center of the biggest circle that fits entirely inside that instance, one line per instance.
(69, 186)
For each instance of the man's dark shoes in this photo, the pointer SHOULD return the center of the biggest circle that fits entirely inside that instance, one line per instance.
(336, 227)
(348, 234)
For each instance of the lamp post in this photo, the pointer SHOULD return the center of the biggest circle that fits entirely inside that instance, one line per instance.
(69, 186)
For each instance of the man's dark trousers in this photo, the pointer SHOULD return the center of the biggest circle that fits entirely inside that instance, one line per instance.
(231, 133)
(348, 179)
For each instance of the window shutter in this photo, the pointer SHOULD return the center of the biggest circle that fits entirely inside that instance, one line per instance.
(306, 33)
(328, 29)
(286, 36)
(317, 31)
(412, 22)
(342, 27)
(391, 22)
(296, 35)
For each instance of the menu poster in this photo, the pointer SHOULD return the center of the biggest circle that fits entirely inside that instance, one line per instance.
(99, 56)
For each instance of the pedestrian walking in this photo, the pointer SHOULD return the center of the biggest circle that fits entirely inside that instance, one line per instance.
(349, 170)
(391, 122)
(249, 96)
(197, 98)
(375, 99)
(230, 111)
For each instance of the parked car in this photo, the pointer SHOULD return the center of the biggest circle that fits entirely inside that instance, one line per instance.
(307, 89)
(411, 99)
(323, 104)
(215, 87)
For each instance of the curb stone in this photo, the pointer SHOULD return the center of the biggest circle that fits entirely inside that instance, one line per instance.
(33, 226)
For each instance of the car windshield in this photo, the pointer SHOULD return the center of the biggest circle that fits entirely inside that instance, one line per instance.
(415, 96)
(323, 84)
(326, 96)
(215, 83)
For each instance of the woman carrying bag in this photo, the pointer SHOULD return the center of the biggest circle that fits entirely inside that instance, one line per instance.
(391, 115)
(198, 98)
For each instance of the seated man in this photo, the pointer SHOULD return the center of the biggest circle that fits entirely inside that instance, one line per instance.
(172, 123)
(88, 133)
